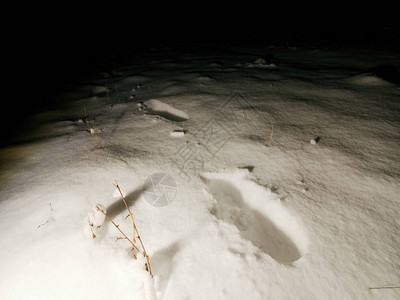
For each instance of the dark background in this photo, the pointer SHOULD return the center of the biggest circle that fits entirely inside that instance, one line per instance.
(55, 46)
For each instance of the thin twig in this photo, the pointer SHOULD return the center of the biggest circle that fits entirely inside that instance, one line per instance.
(120, 238)
(91, 224)
(51, 208)
(43, 224)
(91, 229)
(135, 230)
(270, 137)
(117, 226)
(384, 287)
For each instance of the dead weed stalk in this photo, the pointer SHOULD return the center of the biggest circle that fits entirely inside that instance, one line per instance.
(135, 235)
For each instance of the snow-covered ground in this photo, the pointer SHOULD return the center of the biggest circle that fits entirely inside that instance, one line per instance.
(248, 179)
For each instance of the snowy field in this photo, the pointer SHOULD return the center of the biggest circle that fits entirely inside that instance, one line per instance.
(260, 173)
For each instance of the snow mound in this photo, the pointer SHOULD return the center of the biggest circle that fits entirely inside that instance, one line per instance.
(93, 89)
(368, 79)
(99, 89)
(261, 63)
(258, 214)
(156, 107)
(178, 133)
(315, 140)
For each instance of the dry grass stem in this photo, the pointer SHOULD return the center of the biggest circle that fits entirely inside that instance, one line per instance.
(43, 224)
(135, 235)
(51, 209)
(117, 226)
(135, 230)
(384, 287)
(271, 136)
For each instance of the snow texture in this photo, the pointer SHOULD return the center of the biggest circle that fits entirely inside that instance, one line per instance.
(288, 221)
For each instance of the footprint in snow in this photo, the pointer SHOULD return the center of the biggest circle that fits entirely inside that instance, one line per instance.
(258, 214)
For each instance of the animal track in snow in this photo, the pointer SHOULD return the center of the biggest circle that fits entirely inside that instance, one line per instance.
(258, 214)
